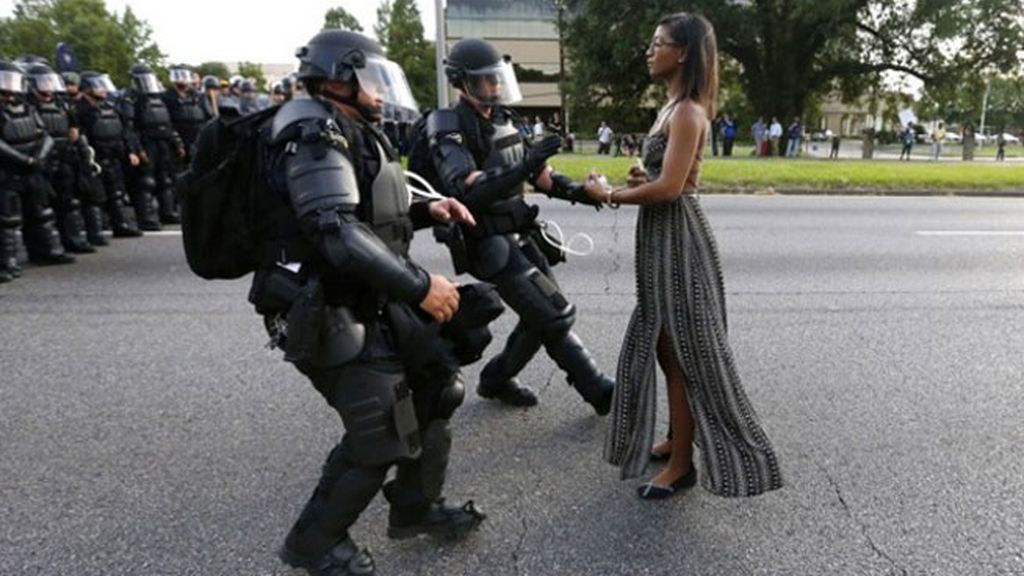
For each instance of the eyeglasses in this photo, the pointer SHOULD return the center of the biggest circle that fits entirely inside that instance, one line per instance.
(658, 43)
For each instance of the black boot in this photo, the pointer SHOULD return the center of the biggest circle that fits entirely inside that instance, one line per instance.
(42, 241)
(122, 218)
(498, 378)
(583, 375)
(72, 232)
(344, 559)
(437, 519)
(9, 268)
(93, 218)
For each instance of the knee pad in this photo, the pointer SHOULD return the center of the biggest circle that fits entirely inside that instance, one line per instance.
(451, 397)
(377, 410)
(538, 301)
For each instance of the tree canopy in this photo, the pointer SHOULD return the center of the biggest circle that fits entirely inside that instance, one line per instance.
(338, 17)
(400, 32)
(790, 51)
(101, 40)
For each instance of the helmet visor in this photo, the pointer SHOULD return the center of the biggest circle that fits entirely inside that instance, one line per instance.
(494, 84)
(49, 83)
(148, 84)
(180, 76)
(384, 79)
(11, 81)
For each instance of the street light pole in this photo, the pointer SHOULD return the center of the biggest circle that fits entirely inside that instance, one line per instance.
(984, 108)
(439, 53)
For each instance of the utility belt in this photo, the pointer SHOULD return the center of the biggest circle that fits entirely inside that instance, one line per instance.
(158, 133)
(505, 217)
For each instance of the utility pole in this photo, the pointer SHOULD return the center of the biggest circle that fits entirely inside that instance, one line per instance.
(439, 53)
(984, 108)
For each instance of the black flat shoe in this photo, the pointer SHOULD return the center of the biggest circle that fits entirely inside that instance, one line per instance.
(651, 491)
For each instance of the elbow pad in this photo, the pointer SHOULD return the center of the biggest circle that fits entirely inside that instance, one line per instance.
(564, 188)
(351, 247)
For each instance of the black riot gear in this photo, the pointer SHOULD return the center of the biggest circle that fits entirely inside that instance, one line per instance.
(144, 80)
(25, 193)
(505, 248)
(345, 309)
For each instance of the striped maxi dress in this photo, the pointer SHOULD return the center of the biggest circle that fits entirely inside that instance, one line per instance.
(680, 292)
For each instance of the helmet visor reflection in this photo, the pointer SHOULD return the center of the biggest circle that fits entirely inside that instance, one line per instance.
(180, 76)
(49, 83)
(385, 79)
(495, 84)
(149, 84)
(11, 81)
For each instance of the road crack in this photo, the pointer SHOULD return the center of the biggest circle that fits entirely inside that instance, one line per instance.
(863, 527)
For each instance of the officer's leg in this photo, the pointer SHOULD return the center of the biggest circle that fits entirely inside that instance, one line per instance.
(143, 190)
(380, 428)
(498, 377)
(164, 169)
(10, 221)
(92, 196)
(415, 495)
(545, 312)
(122, 217)
(70, 223)
(42, 241)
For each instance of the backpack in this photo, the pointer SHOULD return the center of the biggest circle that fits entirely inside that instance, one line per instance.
(217, 197)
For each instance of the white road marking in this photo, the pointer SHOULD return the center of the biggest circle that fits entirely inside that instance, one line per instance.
(163, 233)
(970, 232)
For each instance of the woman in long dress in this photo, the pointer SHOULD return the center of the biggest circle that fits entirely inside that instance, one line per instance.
(680, 320)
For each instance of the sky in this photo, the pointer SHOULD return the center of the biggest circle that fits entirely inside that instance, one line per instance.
(195, 31)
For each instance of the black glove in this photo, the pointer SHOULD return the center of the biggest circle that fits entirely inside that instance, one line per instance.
(537, 155)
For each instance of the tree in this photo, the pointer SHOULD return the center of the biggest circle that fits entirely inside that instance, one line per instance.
(340, 18)
(253, 72)
(218, 69)
(101, 40)
(399, 30)
(790, 51)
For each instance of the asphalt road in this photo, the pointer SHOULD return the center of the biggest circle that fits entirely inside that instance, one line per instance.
(146, 430)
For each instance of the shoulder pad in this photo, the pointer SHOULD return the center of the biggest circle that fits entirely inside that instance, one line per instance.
(441, 122)
(298, 110)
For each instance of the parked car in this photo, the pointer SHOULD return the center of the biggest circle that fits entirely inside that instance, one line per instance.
(1010, 138)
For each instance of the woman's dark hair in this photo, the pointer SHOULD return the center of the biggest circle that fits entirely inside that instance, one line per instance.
(700, 68)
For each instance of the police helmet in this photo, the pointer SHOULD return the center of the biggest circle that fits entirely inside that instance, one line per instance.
(355, 59)
(211, 82)
(96, 84)
(180, 75)
(144, 80)
(12, 78)
(477, 68)
(70, 78)
(43, 80)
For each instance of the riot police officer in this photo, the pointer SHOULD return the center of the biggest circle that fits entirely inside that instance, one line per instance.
(25, 193)
(211, 96)
(110, 135)
(153, 179)
(61, 166)
(184, 106)
(482, 159)
(342, 219)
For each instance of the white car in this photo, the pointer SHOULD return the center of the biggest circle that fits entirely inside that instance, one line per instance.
(953, 137)
(1010, 138)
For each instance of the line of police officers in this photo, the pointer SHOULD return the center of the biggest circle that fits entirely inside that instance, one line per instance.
(77, 157)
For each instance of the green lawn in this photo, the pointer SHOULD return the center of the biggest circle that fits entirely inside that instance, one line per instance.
(757, 174)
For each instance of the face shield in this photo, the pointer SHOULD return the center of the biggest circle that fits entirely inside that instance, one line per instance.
(99, 86)
(382, 78)
(48, 83)
(148, 84)
(494, 84)
(180, 76)
(11, 81)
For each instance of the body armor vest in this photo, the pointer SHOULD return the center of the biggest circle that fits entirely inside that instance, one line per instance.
(20, 128)
(189, 113)
(153, 117)
(107, 130)
(390, 204)
(56, 122)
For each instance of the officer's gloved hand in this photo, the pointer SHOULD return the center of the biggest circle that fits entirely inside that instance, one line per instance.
(537, 155)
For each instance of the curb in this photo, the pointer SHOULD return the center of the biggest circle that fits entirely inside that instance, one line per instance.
(771, 191)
